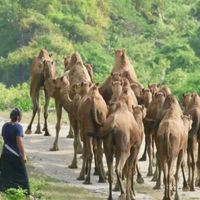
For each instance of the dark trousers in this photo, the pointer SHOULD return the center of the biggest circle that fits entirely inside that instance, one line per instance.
(13, 173)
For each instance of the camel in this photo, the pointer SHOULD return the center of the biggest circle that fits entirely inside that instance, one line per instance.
(92, 113)
(69, 62)
(149, 127)
(121, 124)
(42, 70)
(123, 67)
(171, 143)
(192, 107)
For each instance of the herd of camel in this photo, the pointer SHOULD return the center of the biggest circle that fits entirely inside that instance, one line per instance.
(115, 117)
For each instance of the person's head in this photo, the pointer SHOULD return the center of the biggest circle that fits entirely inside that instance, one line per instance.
(15, 115)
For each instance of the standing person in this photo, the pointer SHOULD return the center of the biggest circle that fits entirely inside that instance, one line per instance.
(13, 172)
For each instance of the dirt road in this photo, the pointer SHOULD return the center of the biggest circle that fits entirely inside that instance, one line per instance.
(55, 164)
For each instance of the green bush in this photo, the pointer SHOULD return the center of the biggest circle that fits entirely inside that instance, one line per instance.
(14, 194)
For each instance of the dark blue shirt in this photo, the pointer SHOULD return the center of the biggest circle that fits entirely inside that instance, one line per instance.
(9, 132)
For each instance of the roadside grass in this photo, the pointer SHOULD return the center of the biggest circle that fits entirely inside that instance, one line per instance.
(26, 117)
(47, 188)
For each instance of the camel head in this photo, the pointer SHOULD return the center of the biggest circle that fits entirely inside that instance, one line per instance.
(117, 87)
(160, 98)
(186, 99)
(154, 87)
(120, 54)
(85, 87)
(116, 76)
(75, 58)
(195, 99)
(139, 111)
(187, 120)
(43, 54)
(49, 69)
(146, 96)
(170, 100)
(66, 63)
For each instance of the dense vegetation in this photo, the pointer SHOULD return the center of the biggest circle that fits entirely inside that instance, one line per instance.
(161, 37)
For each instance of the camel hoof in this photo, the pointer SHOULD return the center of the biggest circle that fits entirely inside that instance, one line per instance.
(110, 198)
(176, 197)
(54, 149)
(157, 187)
(149, 173)
(140, 180)
(70, 135)
(143, 158)
(122, 197)
(192, 189)
(38, 132)
(28, 132)
(87, 182)
(197, 182)
(47, 134)
(74, 166)
(102, 180)
(186, 188)
(81, 178)
(116, 188)
(79, 150)
(154, 179)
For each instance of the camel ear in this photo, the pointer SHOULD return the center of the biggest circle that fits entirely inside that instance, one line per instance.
(124, 51)
(111, 74)
(97, 84)
(52, 62)
(183, 95)
(50, 55)
(91, 65)
(61, 78)
(90, 84)
(54, 81)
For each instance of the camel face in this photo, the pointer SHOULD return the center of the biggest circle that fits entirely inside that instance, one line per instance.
(154, 88)
(186, 99)
(116, 88)
(49, 69)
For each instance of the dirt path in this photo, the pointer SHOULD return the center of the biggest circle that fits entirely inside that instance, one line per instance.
(55, 164)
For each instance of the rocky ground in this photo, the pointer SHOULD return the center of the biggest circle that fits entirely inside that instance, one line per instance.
(55, 164)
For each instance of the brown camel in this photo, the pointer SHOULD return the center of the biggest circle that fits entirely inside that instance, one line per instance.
(43, 69)
(149, 126)
(171, 142)
(122, 137)
(92, 113)
(192, 107)
(123, 67)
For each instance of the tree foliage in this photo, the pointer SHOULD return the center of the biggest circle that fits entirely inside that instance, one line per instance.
(161, 37)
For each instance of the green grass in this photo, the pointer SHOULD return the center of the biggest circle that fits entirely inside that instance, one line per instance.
(26, 117)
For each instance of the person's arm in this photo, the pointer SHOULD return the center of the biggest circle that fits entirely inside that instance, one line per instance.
(20, 146)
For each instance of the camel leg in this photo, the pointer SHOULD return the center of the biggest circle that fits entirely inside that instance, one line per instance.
(165, 169)
(132, 167)
(158, 180)
(143, 158)
(95, 151)
(74, 124)
(193, 170)
(185, 184)
(178, 165)
(59, 116)
(71, 132)
(140, 179)
(108, 149)
(89, 156)
(197, 182)
(82, 173)
(38, 129)
(35, 102)
(149, 150)
(121, 158)
(47, 98)
(189, 166)
(102, 175)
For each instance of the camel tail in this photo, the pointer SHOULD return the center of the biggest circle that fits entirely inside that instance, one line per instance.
(167, 145)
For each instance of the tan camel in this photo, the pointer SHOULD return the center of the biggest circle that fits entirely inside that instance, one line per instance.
(43, 69)
(192, 107)
(123, 67)
(171, 142)
(121, 124)
(92, 115)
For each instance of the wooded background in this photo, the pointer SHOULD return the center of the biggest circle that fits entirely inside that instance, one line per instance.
(162, 38)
